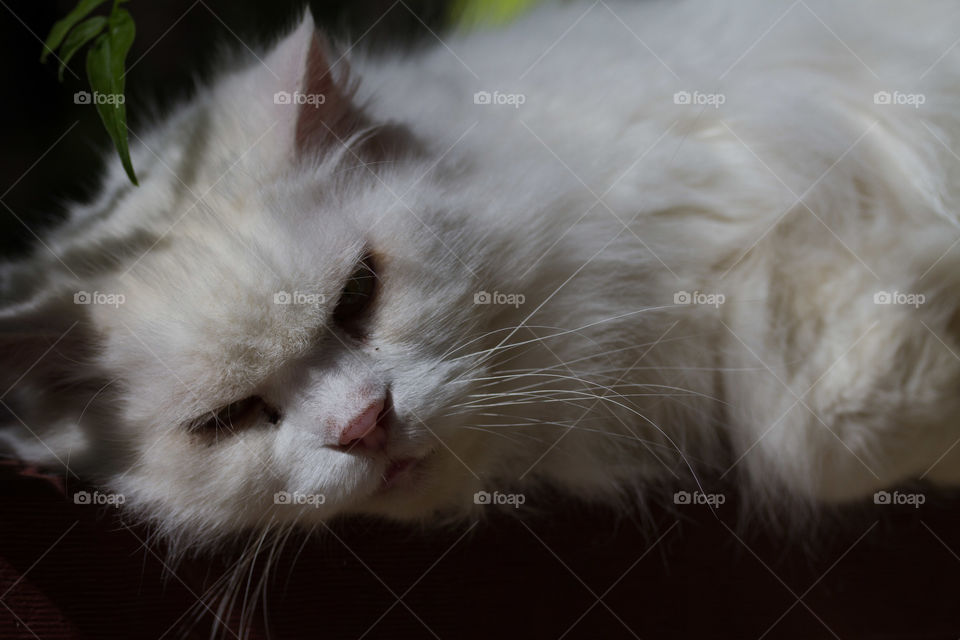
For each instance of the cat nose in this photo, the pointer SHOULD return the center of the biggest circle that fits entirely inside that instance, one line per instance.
(368, 430)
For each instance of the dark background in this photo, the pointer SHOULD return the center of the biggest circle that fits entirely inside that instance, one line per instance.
(870, 572)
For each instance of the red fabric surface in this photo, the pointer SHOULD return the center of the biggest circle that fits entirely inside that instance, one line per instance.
(73, 571)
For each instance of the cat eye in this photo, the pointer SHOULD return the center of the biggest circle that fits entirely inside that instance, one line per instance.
(236, 416)
(355, 299)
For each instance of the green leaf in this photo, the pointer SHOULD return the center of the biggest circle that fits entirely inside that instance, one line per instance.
(476, 13)
(61, 27)
(81, 35)
(105, 69)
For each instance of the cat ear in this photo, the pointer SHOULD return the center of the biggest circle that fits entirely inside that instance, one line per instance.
(315, 99)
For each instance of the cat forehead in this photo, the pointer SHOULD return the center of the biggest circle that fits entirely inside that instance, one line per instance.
(218, 306)
(245, 280)
(209, 343)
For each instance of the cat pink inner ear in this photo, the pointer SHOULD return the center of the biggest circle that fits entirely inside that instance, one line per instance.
(326, 115)
(314, 102)
(315, 94)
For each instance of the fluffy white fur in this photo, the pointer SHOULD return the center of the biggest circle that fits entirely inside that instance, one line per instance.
(597, 199)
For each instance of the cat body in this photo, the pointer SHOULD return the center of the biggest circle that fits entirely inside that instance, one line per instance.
(615, 245)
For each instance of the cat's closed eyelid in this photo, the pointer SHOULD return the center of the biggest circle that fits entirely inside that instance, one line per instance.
(235, 416)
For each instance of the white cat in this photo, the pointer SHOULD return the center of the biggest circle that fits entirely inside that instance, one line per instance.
(610, 248)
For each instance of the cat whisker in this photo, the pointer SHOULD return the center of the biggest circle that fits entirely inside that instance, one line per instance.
(581, 359)
(487, 334)
(561, 425)
(501, 435)
(590, 384)
(503, 344)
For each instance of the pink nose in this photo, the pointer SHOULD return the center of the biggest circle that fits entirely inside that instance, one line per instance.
(367, 430)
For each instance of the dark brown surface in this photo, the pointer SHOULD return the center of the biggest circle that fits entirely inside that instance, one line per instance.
(71, 571)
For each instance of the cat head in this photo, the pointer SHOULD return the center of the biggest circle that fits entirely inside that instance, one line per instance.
(278, 326)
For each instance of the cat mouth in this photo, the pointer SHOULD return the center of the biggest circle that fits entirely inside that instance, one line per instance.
(403, 472)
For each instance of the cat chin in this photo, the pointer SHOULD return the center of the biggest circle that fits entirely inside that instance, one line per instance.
(423, 491)
(419, 490)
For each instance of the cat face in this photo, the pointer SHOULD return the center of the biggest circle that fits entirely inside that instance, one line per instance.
(294, 344)
(314, 369)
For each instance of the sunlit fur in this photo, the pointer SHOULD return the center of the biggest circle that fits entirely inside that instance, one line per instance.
(597, 200)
